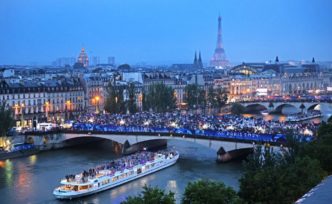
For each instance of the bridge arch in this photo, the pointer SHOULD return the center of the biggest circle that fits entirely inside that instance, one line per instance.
(281, 107)
(137, 139)
(256, 106)
(314, 106)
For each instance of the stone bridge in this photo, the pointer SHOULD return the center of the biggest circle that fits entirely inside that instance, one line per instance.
(278, 106)
(57, 140)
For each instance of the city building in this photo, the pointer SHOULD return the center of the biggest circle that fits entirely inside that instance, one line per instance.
(52, 100)
(111, 60)
(83, 58)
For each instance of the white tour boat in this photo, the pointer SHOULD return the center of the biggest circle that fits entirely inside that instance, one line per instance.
(114, 173)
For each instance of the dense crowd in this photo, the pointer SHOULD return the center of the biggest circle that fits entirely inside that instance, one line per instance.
(118, 165)
(197, 122)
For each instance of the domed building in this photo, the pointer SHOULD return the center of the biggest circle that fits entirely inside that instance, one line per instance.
(83, 58)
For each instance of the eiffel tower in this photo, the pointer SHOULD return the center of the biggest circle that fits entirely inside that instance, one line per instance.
(219, 57)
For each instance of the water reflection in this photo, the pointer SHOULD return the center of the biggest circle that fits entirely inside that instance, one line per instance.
(8, 167)
(32, 179)
(33, 159)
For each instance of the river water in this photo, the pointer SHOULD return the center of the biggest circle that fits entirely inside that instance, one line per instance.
(32, 179)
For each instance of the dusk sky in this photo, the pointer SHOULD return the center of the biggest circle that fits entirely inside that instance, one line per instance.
(164, 31)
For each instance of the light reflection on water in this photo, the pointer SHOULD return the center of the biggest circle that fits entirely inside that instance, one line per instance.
(32, 179)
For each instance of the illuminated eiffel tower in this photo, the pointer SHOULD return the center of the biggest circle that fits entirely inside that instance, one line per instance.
(219, 57)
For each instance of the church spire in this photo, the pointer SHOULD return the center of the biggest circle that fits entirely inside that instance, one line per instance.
(200, 63)
(195, 60)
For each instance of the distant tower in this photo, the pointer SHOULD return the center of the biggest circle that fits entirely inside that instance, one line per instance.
(200, 63)
(219, 57)
(83, 58)
(277, 60)
(195, 60)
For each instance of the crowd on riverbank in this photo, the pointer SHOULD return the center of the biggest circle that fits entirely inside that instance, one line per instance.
(221, 123)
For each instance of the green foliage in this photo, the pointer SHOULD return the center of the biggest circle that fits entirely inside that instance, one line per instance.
(216, 97)
(237, 109)
(204, 191)
(321, 148)
(124, 67)
(131, 104)
(114, 102)
(194, 96)
(159, 98)
(6, 119)
(329, 120)
(151, 195)
(271, 177)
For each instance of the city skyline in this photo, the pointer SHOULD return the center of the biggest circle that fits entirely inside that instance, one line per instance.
(134, 32)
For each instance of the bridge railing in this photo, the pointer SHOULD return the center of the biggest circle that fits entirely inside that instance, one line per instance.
(88, 128)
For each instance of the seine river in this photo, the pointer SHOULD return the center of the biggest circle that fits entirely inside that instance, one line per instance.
(32, 179)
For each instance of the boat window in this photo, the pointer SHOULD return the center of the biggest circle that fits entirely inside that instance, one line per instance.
(84, 187)
(115, 178)
(75, 188)
(139, 171)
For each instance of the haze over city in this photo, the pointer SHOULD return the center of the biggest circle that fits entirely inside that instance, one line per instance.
(164, 32)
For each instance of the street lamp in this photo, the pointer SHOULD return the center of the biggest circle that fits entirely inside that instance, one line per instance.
(47, 105)
(22, 114)
(97, 104)
(67, 106)
(15, 107)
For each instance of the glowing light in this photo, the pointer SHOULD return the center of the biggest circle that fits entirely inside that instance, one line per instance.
(173, 124)
(205, 126)
(307, 132)
(122, 122)
(147, 122)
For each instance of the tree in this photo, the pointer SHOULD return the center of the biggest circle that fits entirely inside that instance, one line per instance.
(6, 119)
(237, 108)
(124, 67)
(204, 191)
(131, 104)
(216, 97)
(321, 148)
(159, 98)
(114, 102)
(271, 177)
(194, 96)
(329, 120)
(151, 195)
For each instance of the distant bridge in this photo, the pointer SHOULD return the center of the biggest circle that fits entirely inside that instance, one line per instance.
(278, 106)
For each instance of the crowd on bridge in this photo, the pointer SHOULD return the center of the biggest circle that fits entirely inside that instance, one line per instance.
(198, 124)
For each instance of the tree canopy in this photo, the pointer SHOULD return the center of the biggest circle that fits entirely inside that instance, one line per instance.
(205, 191)
(151, 195)
(6, 119)
(216, 98)
(194, 96)
(159, 98)
(114, 100)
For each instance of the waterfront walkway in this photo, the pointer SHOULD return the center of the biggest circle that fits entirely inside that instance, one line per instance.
(321, 193)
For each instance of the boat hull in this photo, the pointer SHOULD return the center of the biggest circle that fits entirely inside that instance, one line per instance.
(72, 195)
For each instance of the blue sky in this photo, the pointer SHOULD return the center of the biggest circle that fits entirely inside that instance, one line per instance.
(164, 31)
